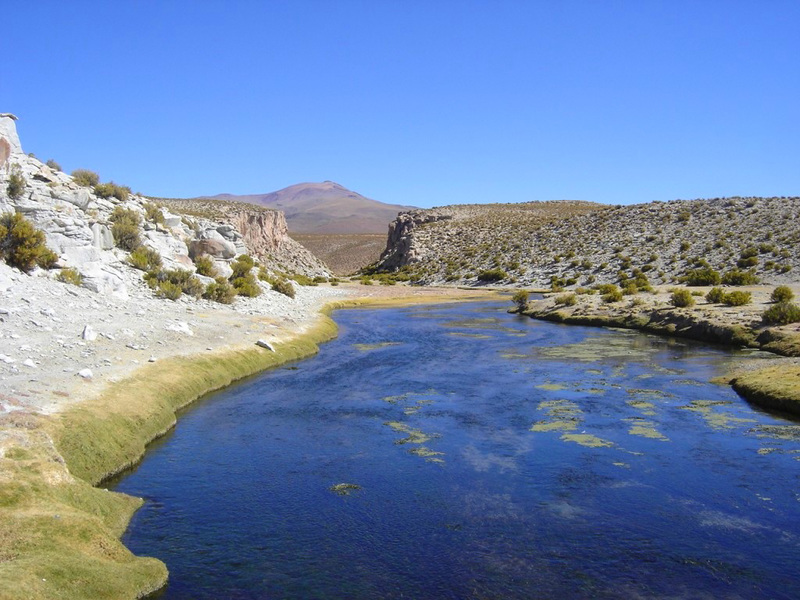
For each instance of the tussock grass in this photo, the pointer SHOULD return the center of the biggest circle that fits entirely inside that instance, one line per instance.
(774, 387)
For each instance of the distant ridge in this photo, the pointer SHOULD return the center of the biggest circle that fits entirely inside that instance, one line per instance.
(325, 207)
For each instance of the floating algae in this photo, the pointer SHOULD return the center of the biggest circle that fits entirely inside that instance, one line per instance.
(513, 355)
(376, 346)
(556, 425)
(646, 408)
(621, 465)
(765, 451)
(645, 429)
(344, 489)
(428, 454)
(586, 439)
(478, 336)
(596, 349)
(552, 387)
(560, 408)
(414, 436)
(717, 420)
(780, 432)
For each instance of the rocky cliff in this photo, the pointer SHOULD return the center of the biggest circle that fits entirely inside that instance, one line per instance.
(579, 243)
(77, 223)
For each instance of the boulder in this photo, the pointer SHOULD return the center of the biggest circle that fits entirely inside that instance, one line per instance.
(214, 248)
(102, 238)
(103, 279)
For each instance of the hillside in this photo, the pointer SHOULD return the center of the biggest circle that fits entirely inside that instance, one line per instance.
(344, 253)
(325, 208)
(573, 243)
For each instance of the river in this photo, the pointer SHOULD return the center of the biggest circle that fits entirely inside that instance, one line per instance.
(483, 455)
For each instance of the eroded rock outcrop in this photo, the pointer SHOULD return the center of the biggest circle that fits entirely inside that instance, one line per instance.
(400, 247)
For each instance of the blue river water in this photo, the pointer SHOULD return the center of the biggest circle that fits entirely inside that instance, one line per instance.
(485, 456)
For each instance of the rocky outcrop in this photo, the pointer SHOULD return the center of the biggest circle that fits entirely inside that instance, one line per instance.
(400, 247)
(78, 226)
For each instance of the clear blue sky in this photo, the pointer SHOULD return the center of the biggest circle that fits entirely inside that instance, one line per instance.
(414, 102)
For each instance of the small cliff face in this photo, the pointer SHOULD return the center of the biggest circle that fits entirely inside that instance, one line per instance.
(400, 247)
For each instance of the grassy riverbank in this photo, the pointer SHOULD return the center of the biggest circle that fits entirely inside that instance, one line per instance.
(776, 387)
(61, 535)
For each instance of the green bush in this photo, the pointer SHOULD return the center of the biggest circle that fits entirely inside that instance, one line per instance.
(125, 228)
(112, 190)
(168, 290)
(71, 276)
(153, 213)
(145, 259)
(737, 298)
(53, 164)
(567, 299)
(284, 287)
(185, 280)
(630, 289)
(85, 177)
(492, 275)
(247, 286)
(744, 263)
(205, 266)
(737, 277)
(607, 288)
(241, 266)
(613, 295)
(781, 313)
(702, 276)
(682, 298)
(715, 295)
(782, 293)
(16, 183)
(22, 245)
(307, 281)
(220, 291)
(520, 298)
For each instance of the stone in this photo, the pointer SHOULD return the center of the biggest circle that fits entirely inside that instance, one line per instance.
(89, 334)
(214, 248)
(29, 363)
(179, 327)
(85, 373)
(265, 344)
(102, 238)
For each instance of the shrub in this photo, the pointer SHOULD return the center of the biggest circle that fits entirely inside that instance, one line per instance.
(153, 213)
(85, 177)
(53, 164)
(22, 245)
(630, 289)
(182, 278)
(737, 298)
(737, 277)
(145, 259)
(715, 295)
(781, 313)
(247, 286)
(307, 281)
(521, 299)
(205, 266)
(241, 266)
(782, 293)
(682, 298)
(112, 190)
(703, 276)
(567, 299)
(125, 228)
(284, 287)
(744, 263)
(607, 288)
(16, 183)
(71, 276)
(168, 290)
(613, 295)
(492, 275)
(220, 291)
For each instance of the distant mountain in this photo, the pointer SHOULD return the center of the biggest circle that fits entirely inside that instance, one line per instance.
(325, 208)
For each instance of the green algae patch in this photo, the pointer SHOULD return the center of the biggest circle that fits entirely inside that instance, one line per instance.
(597, 349)
(477, 336)
(643, 406)
(621, 465)
(556, 425)
(779, 432)
(344, 489)
(765, 451)
(428, 454)
(586, 439)
(551, 387)
(716, 419)
(645, 429)
(413, 436)
(376, 346)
